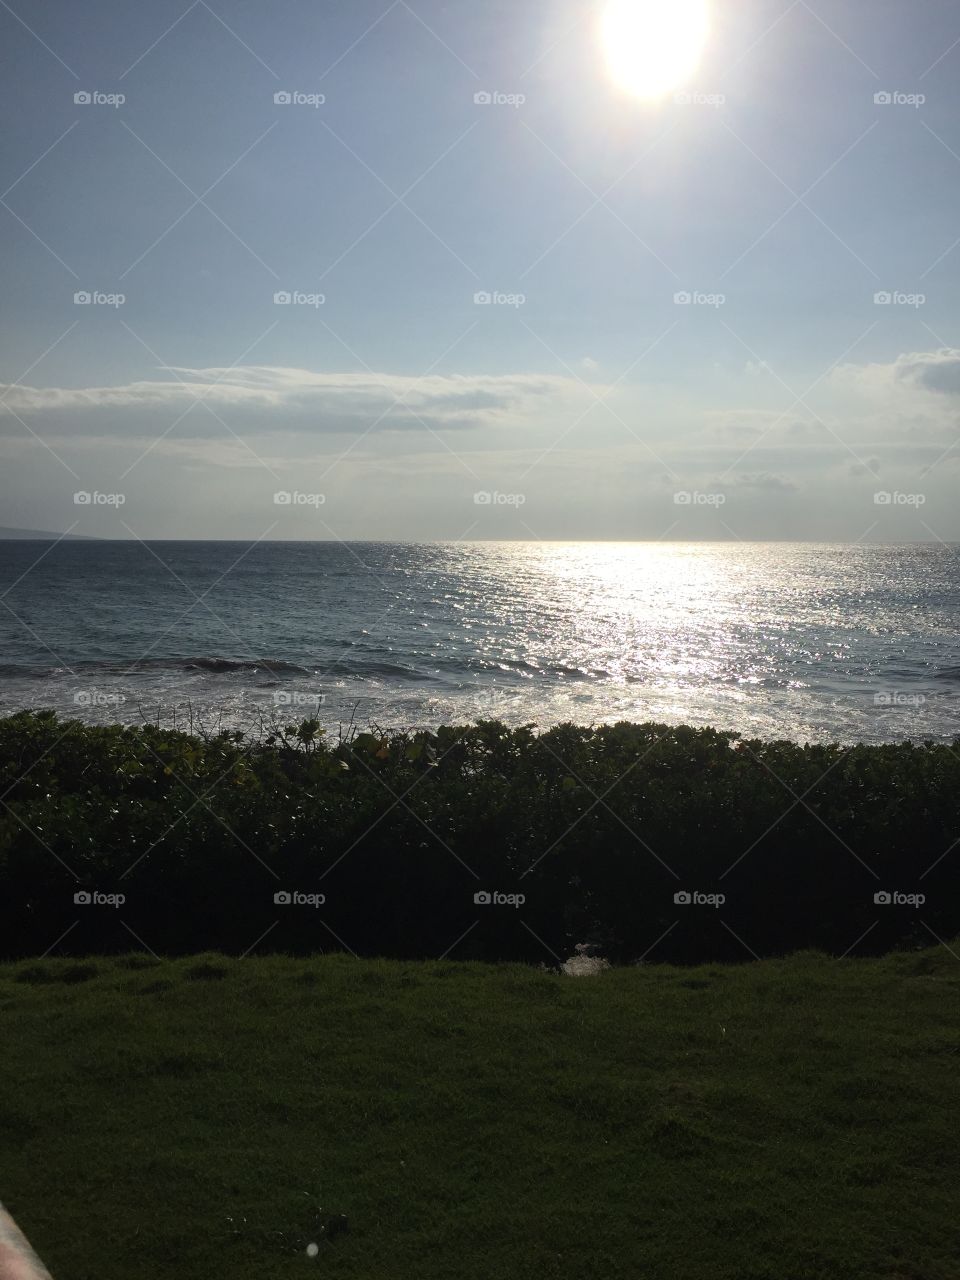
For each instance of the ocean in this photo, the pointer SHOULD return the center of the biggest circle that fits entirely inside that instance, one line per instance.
(810, 642)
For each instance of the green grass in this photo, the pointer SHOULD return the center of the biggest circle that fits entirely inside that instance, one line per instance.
(207, 1118)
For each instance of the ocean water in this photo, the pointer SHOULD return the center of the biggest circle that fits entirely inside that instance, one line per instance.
(803, 641)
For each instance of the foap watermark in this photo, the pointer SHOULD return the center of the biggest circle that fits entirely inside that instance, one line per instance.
(94, 98)
(484, 298)
(694, 898)
(896, 298)
(83, 498)
(494, 898)
(694, 498)
(294, 298)
(94, 298)
(894, 898)
(294, 98)
(294, 698)
(896, 98)
(494, 98)
(897, 698)
(97, 698)
(294, 898)
(897, 499)
(294, 498)
(688, 298)
(493, 498)
(94, 898)
(693, 98)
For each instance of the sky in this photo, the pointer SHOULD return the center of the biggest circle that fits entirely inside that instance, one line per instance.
(428, 270)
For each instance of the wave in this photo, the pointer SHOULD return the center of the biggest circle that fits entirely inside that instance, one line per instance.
(273, 669)
(221, 665)
(121, 667)
(418, 668)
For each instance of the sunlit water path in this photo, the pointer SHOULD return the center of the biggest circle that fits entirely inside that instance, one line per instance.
(808, 642)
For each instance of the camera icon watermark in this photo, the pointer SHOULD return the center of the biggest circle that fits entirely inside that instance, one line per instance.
(294, 98)
(897, 698)
(897, 99)
(85, 498)
(686, 98)
(294, 898)
(294, 498)
(96, 698)
(884, 498)
(494, 898)
(686, 298)
(694, 898)
(94, 298)
(94, 98)
(894, 898)
(694, 498)
(94, 898)
(895, 298)
(294, 298)
(494, 98)
(493, 498)
(496, 298)
(294, 698)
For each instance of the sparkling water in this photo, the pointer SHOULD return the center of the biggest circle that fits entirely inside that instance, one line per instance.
(800, 641)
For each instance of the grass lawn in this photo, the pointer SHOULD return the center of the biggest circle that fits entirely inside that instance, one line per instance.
(209, 1118)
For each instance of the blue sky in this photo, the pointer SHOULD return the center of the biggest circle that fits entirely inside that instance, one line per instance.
(781, 196)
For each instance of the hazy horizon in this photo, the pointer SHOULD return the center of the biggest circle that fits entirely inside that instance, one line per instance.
(42, 535)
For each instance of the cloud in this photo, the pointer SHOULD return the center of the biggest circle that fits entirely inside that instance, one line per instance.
(763, 481)
(773, 426)
(746, 424)
(933, 370)
(869, 467)
(269, 397)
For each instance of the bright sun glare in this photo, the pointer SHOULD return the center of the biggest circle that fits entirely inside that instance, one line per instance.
(653, 46)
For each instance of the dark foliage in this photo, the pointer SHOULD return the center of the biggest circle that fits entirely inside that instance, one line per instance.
(598, 829)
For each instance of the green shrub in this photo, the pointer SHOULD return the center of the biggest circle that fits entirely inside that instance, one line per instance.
(191, 838)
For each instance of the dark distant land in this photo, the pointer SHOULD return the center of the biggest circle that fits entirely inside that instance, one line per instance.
(42, 535)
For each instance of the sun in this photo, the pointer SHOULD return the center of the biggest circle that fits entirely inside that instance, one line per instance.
(652, 46)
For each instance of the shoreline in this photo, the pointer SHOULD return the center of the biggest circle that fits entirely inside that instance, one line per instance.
(259, 719)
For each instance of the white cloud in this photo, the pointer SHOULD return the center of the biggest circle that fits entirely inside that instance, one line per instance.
(910, 372)
(298, 399)
(763, 481)
(931, 370)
